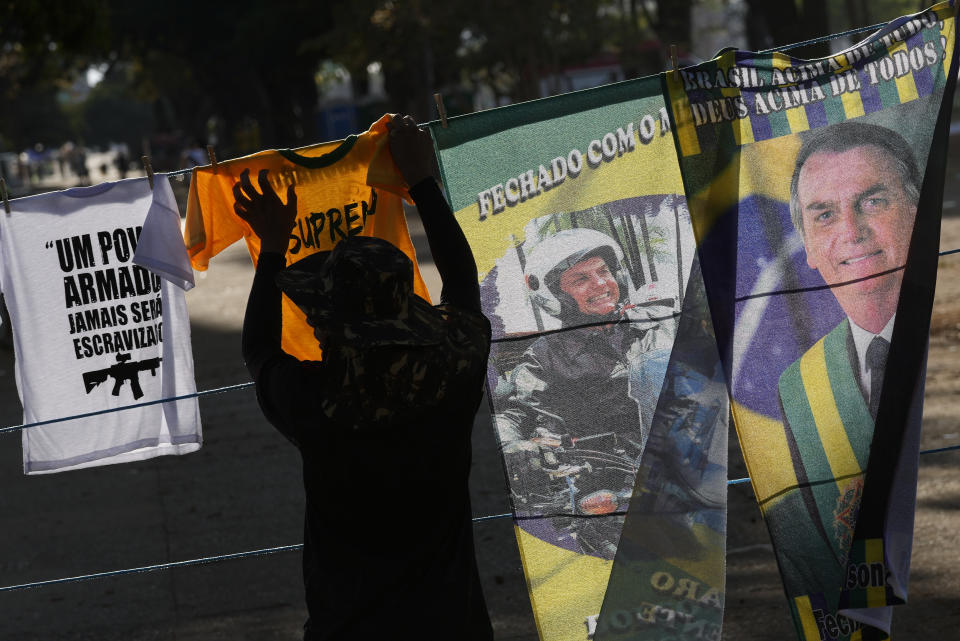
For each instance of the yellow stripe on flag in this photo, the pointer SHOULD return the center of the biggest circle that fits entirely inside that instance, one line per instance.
(807, 622)
(771, 164)
(906, 85)
(680, 103)
(823, 405)
(873, 553)
(851, 100)
(742, 131)
(765, 451)
(565, 587)
(852, 104)
(780, 60)
(797, 117)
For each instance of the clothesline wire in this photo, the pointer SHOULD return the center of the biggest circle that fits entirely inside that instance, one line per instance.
(158, 566)
(267, 551)
(822, 39)
(219, 390)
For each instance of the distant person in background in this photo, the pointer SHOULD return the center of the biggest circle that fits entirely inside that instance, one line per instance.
(383, 422)
(194, 155)
(63, 158)
(122, 161)
(79, 165)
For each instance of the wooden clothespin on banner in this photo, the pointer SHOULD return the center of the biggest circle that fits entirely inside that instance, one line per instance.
(213, 157)
(674, 57)
(149, 169)
(6, 201)
(441, 109)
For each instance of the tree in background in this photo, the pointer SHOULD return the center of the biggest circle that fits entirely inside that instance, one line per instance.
(114, 112)
(244, 71)
(43, 46)
(240, 62)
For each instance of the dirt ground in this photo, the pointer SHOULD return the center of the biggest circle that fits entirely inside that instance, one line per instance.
(242, 492)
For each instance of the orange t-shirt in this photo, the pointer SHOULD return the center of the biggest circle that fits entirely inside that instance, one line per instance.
(343, 189)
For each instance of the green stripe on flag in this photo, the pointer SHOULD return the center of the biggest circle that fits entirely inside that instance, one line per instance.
(850, 404)
(779, 125)
(805, 430)
(834, 107)
(802, 424)
(939, 77)
(889, 96)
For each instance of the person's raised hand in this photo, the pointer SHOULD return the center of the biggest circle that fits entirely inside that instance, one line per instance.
(412, 149)
(267, 216)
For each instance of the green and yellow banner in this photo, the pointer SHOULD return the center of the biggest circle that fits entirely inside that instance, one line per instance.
(814, 189)
(575, 213)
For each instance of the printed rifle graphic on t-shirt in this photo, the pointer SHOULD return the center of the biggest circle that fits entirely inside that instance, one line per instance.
(98, 274)
(123, 370)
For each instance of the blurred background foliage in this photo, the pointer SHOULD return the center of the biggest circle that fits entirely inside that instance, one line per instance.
(160, 77)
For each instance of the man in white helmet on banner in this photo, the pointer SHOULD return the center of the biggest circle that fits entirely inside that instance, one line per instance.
(593, 385)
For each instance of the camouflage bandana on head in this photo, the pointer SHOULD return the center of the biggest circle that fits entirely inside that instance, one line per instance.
(363, 291)
(392, 385)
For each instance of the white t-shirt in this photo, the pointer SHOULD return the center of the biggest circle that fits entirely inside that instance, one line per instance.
(92, 330)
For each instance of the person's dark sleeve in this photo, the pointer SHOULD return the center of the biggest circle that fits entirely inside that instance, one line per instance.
(262, 322)
(279, 377)
(449, 247)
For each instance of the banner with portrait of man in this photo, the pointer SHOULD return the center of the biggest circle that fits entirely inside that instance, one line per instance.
(815, 192)
(574, 210)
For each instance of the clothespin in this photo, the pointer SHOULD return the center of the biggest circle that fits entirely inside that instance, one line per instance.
(6, 202)
(213, 157)
(673, 57)
(441, 109)
(149, 169)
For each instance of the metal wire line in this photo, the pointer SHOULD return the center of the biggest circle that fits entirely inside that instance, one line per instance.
(266, 551)
(219, 390)
(816, 41)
